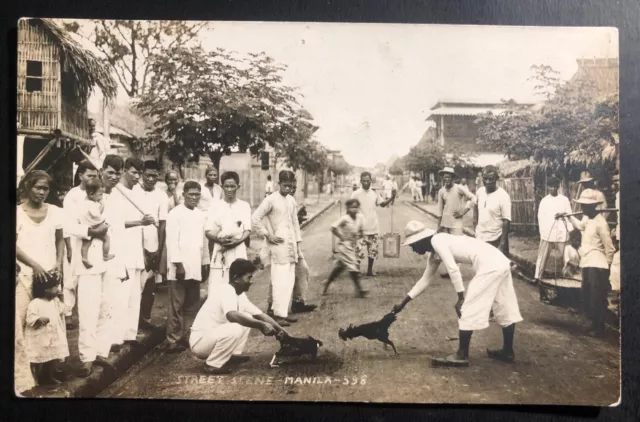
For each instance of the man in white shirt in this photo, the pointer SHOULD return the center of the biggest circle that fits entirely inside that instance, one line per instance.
(128, 310)
(283, 238)
(228, 226)
(493, 211)
(153, 237)
(454, 201)
(211, 190)
(369, 200)
(387, 187)
(554, 233)
(268, 188)
(490, 288)
(188, 262)
(221, 328)
(419, 196)
(99, 287)
(101, 145)
(71, 206)
(588, 182)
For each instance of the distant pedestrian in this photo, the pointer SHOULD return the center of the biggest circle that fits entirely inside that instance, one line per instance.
(369, 200)
(188, 258)
(418, 188)
(211, 190)
(268, 188)
(101, 146)
(596, 255)
(349, 229)
(493, 211)
(554, 233)
(45, 333)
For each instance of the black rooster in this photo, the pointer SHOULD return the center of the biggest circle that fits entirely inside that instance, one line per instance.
(378, 330)
(295, 347)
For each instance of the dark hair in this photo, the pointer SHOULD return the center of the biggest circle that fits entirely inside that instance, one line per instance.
(38, 289)
(286, 176)
(114, 161)
(230, 175)
(93, 186)
(269, 177)
(83, 166)
(352, 202)
(365, 173)
(210, 169)
(151, 165)
(553, 182)
(491, 169)
(30, 179)
(134, 162)
(191, 184)
(240, 267)
(166, 176)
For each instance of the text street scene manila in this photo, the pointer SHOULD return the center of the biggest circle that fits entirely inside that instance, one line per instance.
(317, 212)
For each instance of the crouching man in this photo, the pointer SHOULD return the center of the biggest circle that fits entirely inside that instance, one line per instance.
(491, 287)
(221, 328)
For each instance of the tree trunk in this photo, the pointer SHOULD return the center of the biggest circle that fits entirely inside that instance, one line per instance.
(305, 188)
(215, 158)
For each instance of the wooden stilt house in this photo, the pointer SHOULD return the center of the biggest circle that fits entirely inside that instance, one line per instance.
(56, 75)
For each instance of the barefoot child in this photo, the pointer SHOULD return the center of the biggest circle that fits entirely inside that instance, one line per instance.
(348, 229)
(45, 335)
(93, 215)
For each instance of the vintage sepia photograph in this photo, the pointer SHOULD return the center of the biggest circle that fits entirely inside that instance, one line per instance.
(333, 212)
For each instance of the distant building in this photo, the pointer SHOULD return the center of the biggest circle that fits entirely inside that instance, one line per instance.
(603, 73)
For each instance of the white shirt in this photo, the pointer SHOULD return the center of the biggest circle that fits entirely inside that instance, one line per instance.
(222, 299)
(186, 242)
(492, 209)
(596, 248)
(451, 250)
(228, 219)
(268, 188)
(133, 243)
(206, 197)
(369, 200)
(387, 187)
(553, 230)
(101, 148)
(157, 204)
(38, 240)
(280, 212)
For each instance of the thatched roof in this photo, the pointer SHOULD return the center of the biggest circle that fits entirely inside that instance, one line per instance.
(87, 69)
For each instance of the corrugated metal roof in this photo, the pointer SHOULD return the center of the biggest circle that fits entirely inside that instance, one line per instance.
(464, 111)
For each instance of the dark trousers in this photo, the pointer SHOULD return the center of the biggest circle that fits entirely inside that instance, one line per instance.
(496, 244)
(594, 291)
(184, 303)
(148, 298)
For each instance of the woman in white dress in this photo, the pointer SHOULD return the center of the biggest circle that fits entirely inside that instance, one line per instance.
(40, 251)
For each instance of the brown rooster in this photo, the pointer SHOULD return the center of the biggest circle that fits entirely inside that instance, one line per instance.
(378, 330)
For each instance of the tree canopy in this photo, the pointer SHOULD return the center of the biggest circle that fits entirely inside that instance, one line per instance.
(215, 103)
(424, 157)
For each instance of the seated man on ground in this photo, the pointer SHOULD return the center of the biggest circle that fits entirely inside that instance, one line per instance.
(221, 328)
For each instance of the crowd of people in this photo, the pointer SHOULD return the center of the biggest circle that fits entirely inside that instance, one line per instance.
(117, 236)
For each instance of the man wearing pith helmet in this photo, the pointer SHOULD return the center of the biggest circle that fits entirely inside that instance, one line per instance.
(490, 287)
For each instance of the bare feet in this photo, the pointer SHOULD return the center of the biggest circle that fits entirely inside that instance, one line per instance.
(86, 263)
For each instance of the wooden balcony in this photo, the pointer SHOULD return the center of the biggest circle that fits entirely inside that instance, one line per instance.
(40, 114)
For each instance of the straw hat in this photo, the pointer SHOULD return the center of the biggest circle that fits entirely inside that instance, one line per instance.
(416, 231)
(588, 197)
(447, 170)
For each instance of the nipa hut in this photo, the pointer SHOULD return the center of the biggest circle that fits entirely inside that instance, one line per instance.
(55, 78)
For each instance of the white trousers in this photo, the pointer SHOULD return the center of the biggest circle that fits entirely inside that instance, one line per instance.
(219, 344)
(96, 294)
(283, 277)
(70, 288)
(543, 255)
(487, 290)
(126, 306)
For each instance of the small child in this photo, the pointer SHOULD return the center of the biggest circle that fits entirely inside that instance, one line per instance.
(571, 267)
(92, 214)
(45, 336)
(348, 229)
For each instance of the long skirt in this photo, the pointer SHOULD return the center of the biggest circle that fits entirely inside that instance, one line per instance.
(22, 369)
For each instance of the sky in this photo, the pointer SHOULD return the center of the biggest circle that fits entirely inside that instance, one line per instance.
(370, 86)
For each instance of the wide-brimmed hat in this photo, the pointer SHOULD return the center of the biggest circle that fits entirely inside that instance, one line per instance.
(588, 197)
(447, 170)
(415, 231)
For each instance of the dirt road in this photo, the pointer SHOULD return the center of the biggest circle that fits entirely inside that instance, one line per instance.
(556, 363)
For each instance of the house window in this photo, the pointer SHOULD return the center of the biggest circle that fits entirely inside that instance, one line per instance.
(34, 76)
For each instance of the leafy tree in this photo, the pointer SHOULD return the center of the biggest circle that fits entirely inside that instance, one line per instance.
(340, 166)
(214, 103)
(397, 168)
(424, 158)
(571, 127)
(130, 45)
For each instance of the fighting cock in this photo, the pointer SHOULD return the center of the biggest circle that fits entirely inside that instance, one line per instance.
(378, 330)
(295, 347)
